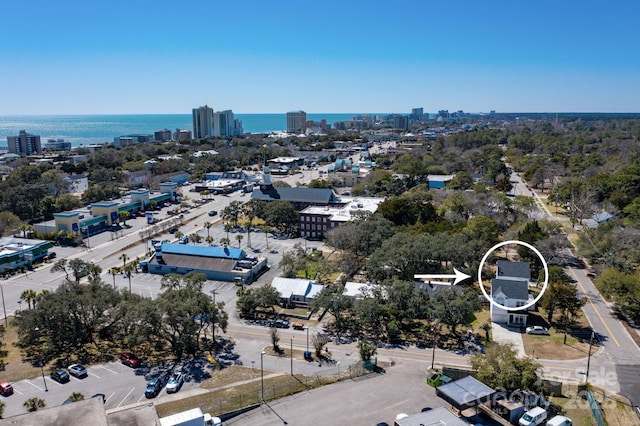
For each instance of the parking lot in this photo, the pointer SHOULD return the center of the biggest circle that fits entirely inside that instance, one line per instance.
(120, 384)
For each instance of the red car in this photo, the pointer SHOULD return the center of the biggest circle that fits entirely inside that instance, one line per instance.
(6, 389)
(130, 360)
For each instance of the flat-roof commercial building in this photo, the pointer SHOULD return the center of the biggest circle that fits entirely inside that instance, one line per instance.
(100, 216)
(215, 262)
(18, 252)
(316, 221)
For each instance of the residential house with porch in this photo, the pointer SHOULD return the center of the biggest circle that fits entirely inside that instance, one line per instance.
(510, 289)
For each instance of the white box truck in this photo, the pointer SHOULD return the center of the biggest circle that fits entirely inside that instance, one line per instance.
(193, 417)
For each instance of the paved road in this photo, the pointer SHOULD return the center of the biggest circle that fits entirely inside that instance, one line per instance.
(616, 366)
(380, 398)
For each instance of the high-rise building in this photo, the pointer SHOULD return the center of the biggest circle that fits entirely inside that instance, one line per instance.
(296, 122)
(224, 124)
(24, 144)
(57, 145)
(417, 114)
(202, 122)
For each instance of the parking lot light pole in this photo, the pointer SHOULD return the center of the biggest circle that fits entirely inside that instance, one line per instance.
(291, 354)
(4, 308)
(307, 328)
(262, 375)
(46, 389)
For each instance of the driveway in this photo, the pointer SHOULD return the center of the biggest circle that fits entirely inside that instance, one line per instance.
(504, 335)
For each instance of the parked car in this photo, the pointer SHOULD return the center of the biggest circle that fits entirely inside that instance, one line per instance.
(212, 212)
(154, 387)
(129, 359)
(77, 370)
(51, 255)
(175, 382)
(537, 329)
(6, 389)
(282, 323)
(60, 376)
(184, 240)
(173, 230)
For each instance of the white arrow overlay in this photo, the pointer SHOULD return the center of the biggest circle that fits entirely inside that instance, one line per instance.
(459, 276)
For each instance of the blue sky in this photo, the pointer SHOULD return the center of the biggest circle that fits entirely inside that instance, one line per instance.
(137, 57)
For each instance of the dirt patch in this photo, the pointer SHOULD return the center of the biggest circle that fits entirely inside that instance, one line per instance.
(552, 347)
(229, 375)
(15, 368)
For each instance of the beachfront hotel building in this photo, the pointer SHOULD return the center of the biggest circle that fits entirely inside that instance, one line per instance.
(296, 122)
(202, 122)
(225, 124)
(24, 144)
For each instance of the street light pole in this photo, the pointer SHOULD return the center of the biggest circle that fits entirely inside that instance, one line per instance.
(262, 376)
(4, 308)
(291, 355)
(46, 389)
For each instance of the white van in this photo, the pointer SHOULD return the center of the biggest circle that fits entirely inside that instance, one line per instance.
(560, 421)
(534, 417)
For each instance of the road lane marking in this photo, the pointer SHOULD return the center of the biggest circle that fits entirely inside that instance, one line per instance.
(143, 396)
(126, 396)
(107, 400)
(94, 375)
(594, 307)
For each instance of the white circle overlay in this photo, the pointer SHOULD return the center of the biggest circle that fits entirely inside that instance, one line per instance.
(544, 264)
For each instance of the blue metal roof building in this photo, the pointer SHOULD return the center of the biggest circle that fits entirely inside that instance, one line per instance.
(216, 263)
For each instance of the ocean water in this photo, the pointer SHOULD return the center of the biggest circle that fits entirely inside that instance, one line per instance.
(92, 129)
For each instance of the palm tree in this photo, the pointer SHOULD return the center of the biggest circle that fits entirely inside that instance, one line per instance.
(178, 235)
(225, 241)
(94, 272)
(249, 224)
(209, 239)
(195, 238)
(128, 270)
(29, 296)
(124, 258)
(207, 225)
(266, 230)
(26, 228)
(239, 238)
(486, 327)
(76, 396)
(34, 404)
(227, 228)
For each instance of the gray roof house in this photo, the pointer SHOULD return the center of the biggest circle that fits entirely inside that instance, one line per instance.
(510, 289)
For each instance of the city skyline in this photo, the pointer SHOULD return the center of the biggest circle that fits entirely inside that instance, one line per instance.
(163, 57)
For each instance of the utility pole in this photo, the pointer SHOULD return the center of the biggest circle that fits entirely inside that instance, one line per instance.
(586, 377)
